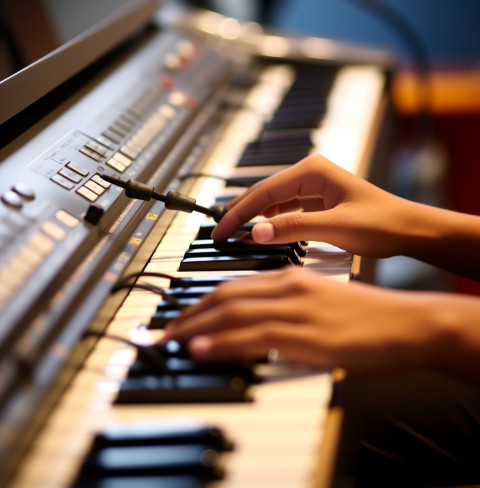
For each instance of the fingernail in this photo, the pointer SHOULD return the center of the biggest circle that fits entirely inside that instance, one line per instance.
(263, 232)
(201, 347)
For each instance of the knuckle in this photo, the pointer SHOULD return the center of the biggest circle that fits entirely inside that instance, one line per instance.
(232, 311)
(268, 334)
(291, 222)
(298, 280)
(224, 292)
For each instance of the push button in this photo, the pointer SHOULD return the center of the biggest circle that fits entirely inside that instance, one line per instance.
(12, 199)
(24, 191)
(94, 214)
(66, 219)
(77, 168)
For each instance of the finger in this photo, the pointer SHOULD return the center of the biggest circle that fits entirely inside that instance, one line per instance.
(307, 204)
(238, 313)
(246, 295)
(262, 286)
(255, 342)
(228, 346)
(298, 226)
(285, 186)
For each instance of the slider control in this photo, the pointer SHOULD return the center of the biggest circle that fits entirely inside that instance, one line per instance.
(173, 200)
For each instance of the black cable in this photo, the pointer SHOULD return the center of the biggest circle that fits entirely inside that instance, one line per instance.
(150, 354)
(173, 200)
(174, 280)
(149, 287)
(129, 282)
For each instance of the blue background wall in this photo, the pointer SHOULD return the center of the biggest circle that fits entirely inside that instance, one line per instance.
(450, 29)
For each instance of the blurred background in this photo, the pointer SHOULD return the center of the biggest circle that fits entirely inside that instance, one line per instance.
(449, 29)
(438, 37)
(444, 169)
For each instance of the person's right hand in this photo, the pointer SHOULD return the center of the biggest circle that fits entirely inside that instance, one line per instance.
(317, 200)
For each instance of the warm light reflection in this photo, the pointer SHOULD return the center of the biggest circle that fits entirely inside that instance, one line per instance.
(229, 28)
(208, 22)
(122, 357)
(107, 386)
(274, 46)
(315, 48)
(141, 336)
(340, 144)
(251, 32)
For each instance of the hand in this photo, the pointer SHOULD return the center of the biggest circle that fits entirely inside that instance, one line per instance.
(338, 207)
(313, 319)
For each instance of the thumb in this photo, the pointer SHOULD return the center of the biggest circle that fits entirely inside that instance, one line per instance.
(291, 227)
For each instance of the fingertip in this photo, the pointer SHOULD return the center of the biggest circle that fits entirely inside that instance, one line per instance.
(263, 232)
(223, 230)
(201, 347)
(218, 235)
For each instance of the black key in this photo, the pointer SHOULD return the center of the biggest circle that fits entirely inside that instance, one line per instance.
(247, 242)
(205, 231)
(172, 349)
(196, 459)
(304, 104)
(167, 310)
(244, 181)
(166, 304)
(237, 248)
(270, 141)
(223, 200)
(208, 280)
(162, 435)
(183, 389)
(286, 158)
(154, 481)
(177, 366)
(161, 318)
(247, 252)
(284, 149)
(190, 292)
(255, 262)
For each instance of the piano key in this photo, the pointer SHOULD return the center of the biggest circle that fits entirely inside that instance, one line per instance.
(293, 398)
(235, 263)
(179, 304)
(209, 280)
(177, 366)
(205, 230)
(183, 388)
(173, 349)
(161, 318)
(244, 181)
(285, 151)
(190, 292)
(196, 459)
(185, 432)
(239, 251)
(248, 243)
(181, 481)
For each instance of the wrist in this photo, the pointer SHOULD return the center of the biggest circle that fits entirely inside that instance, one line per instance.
(455, 337)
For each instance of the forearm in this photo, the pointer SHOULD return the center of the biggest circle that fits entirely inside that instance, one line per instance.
(446, 239)
(456, 320)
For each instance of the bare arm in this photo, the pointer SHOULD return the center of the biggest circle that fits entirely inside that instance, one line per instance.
(317, 200)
